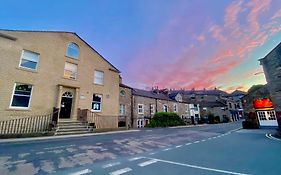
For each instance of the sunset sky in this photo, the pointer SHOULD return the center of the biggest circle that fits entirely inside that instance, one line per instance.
(166, 43)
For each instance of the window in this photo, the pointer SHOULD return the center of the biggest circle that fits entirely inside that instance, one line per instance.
(29, 60)
(70, 71)
(98, 77)
(152, 109)
(175, 108)
(97, 103)
(140, 109)
(122, 93)
(140, 123)
(186, 108)
(72, 51)
(165, 108)
(230, 105)
(195, 107)
(21, 96)
(122, 110)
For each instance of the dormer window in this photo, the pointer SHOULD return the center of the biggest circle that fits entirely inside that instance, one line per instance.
(73, 51)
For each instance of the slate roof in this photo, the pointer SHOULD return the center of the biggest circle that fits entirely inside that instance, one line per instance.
(151, 94)
(201, 92)
(209, 104)
(43, 31)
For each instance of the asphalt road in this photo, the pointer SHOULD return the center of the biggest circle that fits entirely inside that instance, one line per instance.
(209, 149)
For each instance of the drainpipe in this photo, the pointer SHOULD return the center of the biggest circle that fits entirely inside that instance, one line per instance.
(132, 109)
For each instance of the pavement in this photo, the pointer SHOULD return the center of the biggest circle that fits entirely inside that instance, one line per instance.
(208, 149)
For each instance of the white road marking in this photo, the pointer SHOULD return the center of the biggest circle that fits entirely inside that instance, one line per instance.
(198, 167)
(210, 138)
(147, 163)
(152, 153)
(214, 137)
(167, 149)
(196, 142)
(111, 164)
(86, 171)
(103, 149)
(135, 158)
(271, 137)
(178, 146)
(121, 171)
(188, 144)
(148, 130)
(14, 162)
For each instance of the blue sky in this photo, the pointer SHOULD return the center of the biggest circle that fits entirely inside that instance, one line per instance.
(165, 43)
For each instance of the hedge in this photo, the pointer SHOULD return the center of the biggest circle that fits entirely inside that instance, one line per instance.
(165, 119)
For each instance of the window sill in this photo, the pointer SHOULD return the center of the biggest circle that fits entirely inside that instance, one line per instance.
(96, 111)
(71, 58)
(98, 84)
(27, 70)
(17, 109)
(69, 79)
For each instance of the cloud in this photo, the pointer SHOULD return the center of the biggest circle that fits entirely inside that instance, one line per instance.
(174, 60)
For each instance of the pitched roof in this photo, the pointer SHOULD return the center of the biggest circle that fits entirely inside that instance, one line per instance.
(44, 31)
(151, 94)
(201, 92)
(212, 104)
(125, 86)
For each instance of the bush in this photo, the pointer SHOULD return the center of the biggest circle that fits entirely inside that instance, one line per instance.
(165, 119)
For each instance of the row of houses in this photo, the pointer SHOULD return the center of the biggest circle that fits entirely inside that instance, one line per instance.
(138, 106)
(46, 70)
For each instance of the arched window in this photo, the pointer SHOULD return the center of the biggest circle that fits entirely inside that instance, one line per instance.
(122, 93)
(73, 50)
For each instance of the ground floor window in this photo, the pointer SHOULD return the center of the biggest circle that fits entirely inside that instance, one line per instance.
(140, 123)
(21, 96)
(122, 109)
(165, 108)
(97, 103)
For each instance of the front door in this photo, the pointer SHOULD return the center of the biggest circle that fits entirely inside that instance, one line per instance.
(66, 105)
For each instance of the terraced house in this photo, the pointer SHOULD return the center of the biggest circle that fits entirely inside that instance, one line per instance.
(43, 70)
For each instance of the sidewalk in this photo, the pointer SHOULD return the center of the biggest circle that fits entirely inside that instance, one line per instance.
(62, 136)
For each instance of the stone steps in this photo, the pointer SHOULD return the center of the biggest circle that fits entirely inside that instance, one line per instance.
(69, 127)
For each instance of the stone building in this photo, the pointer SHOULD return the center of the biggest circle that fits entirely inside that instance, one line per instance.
(146, 103)
(271, 64)
(41, 70)
(125, 106)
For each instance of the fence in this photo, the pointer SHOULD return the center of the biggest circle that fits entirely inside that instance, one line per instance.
(100, 121)
(29, 124)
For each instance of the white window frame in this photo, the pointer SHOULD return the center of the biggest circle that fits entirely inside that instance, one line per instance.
(76, 58)
(140, 123)
(164, 108)
(37, 63)
(99, 95)
(142, 108)
(152, 109)
(98, 78)
(175, 108)
(29, 102)
(122, 111)
(75, 73)
(187, 108)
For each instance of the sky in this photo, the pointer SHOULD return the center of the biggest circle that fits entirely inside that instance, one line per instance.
(171, 44)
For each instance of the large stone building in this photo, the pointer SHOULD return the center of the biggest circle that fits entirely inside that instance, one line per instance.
(41, 70)
(271, 64)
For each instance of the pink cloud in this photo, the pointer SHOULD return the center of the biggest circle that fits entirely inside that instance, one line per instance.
(172, 64)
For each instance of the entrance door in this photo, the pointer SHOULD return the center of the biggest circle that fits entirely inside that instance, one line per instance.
(267, 118)
(66, 105)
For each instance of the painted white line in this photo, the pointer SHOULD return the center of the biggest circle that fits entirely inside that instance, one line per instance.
(111, 164)
(103, 149)
(214, 137)
(269, 136)
(196, 142)
(152, 153)
(199, 167)
(121, 171)
(167, 149)
(188, 144)
(210, 138)
(178, 146)
(148, 130)
(14, 162)
(86, 171)
(58, 147)
(203, 140)
(147, 163)
(135, 158)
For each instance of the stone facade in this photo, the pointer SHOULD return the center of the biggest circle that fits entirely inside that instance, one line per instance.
(125, 105)
(49, 81)
(272, 69)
